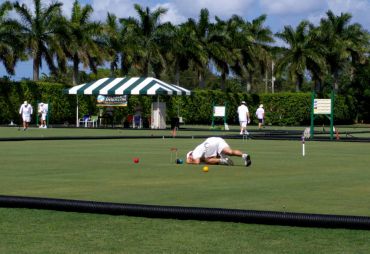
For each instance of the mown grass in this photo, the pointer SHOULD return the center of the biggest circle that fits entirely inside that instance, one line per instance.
(185, 130)
(333, 178)
(33, 231)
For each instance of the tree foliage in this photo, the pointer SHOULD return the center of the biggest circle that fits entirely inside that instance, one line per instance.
(234, 54)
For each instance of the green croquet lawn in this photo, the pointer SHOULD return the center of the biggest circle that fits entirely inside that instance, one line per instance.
(333, 178)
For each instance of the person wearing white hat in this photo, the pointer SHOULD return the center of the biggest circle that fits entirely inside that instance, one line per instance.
(26, 111)
(260, 113)
(214, 150)
(43, 111)
(244, 118)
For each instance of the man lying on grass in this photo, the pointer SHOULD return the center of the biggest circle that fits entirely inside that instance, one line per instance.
(214, 151)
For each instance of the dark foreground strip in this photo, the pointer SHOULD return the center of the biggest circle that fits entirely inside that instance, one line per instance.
(189, 213)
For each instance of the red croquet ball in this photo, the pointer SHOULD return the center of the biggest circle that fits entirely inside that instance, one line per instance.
(136, 160)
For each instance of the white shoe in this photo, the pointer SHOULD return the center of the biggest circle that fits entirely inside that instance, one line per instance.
(41, 126)
(247, 160)
(226, 161)
(45, 127)
(241, 133)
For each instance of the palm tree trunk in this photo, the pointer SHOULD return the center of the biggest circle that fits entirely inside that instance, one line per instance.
(76, 62)
(299, 83)
(146, 69)
(223, 81)
(177, 75)
(297, 86)
(336, 81)
(249, 82)
(112, 69)
(201, 80)
(124, 71)
(317, 87)
(36, 67)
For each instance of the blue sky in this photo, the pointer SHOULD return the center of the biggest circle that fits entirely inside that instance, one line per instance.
(279, 13)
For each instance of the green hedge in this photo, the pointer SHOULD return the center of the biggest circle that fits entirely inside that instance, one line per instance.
(289, 109)
(12, 95)
(280, 108)
(286, 108)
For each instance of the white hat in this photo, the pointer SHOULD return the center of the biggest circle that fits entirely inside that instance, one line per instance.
(261, 105)
(25, 102)
(188, 154)
(243, 102)
(41, 103)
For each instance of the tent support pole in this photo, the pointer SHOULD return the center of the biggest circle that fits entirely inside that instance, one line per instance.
(77, 121)
(158, 113)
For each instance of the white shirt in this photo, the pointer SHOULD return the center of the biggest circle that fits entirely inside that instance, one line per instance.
(260, 113)
(242, 112)
(26, 110)
(43, 109)
(211, 147)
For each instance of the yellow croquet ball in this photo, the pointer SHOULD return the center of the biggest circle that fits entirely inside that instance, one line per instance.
(205, 169)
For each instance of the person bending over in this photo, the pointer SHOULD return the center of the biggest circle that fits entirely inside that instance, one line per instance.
(214, 151)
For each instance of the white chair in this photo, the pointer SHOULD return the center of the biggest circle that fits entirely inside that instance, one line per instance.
(181, 120)
(84, 120)
(88, 121)
(94, 121)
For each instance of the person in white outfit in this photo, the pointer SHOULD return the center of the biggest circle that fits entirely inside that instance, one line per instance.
(26, 112)
(260, 113)
(43, 111)
(244, 118)
(214, 151)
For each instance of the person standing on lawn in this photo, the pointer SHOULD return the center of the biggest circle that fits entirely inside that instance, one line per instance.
(260, 113)
(244, 118)
(26, 112)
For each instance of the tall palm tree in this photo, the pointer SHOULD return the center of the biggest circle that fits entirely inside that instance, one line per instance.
(130, 49)
(344, 42)
(112, 41)
(220, 48)
(248, 46)
(38, 31)
(144, 35)
(201, 29)
(319, 68)
(254, 41)
(234, 42)
(83, 44)
(184, 48)
(300, 54)
(11, 46)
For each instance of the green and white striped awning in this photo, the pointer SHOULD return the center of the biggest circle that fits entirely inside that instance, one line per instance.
(126, 85)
